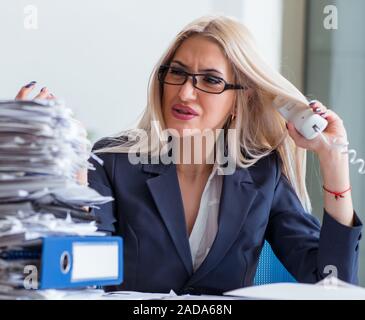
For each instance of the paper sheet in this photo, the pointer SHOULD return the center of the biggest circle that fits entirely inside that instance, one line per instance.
(327, 289)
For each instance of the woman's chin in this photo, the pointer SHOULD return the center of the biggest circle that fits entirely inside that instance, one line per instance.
(183, 132)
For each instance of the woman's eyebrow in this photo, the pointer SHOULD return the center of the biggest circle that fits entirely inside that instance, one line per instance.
(204, 70)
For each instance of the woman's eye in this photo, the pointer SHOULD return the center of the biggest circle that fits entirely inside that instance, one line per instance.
(212, 80)
(179, 72)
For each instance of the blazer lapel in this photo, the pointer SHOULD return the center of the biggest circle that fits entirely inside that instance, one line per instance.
(166, 194)
(238, 194)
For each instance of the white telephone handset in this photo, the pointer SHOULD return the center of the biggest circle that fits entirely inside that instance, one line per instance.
(304, 119)
(310, 125)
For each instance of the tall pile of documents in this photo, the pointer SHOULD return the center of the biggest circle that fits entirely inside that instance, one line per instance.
(42, 149)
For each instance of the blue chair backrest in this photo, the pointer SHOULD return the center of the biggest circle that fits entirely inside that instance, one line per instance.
(270, 269)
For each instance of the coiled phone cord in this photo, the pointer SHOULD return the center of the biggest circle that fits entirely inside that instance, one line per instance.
(343, 146)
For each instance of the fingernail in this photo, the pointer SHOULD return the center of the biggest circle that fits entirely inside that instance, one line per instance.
(312, 102)
(317, 109)
(32, 83)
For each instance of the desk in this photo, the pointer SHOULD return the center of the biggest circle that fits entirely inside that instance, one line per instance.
(327, 289)
(98, 294)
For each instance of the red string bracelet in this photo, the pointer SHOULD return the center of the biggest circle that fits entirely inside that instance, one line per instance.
(337, 194)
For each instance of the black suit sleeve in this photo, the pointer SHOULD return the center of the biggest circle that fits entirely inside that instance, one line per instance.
(308, 250)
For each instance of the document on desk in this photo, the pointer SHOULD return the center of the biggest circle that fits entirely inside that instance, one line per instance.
(136, 295)
(132, 295)
(327, 289)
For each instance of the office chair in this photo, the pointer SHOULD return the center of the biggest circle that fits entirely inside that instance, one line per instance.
(270, 269)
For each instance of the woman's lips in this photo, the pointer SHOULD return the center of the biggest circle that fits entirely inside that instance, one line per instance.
(182, 112)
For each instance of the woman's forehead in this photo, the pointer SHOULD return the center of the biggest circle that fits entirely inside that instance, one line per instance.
(199, 52)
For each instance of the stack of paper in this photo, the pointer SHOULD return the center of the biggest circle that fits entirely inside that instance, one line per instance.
(42, 148)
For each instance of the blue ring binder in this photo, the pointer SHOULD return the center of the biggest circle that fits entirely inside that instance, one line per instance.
(87, 273)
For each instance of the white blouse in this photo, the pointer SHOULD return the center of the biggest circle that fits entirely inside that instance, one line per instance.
(206, 224)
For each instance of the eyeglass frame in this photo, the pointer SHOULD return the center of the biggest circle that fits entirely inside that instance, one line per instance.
(227, 86)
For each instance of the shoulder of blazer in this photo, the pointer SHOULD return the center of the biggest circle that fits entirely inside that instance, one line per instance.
(108, 158)
(268, 167)
(108, 142)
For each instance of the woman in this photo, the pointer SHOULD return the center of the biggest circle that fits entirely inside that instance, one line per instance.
(191, 227)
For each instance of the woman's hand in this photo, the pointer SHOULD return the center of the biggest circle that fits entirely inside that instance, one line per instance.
(335, 130)
(28, 88)
(334, 164)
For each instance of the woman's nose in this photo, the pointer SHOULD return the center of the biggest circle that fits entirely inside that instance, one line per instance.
(187, 90)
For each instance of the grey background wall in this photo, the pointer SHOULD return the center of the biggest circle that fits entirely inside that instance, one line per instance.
(98, 55)
(335, 74)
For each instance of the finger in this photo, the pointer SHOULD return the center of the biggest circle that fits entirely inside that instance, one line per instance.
(317, 106)
(24, 91)
(296, 136)
(312, 102)
(81, 177)
(322, 111)
(323, 114)
(51, 97)
(42, 94)
(331, 116)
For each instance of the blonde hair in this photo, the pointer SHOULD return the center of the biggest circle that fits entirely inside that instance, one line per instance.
(259, 127)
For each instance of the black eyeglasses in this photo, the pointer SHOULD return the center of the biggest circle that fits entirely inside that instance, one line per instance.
(202, 81)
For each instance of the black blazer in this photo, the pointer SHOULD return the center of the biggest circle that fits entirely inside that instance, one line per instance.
(257, 203)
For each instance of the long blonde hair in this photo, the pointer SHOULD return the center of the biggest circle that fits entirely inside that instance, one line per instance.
(259, 127)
